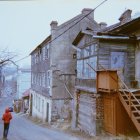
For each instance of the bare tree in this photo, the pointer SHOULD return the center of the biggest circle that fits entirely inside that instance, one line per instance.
(5, 58)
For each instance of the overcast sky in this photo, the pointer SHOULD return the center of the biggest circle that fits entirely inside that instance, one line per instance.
(25, 24)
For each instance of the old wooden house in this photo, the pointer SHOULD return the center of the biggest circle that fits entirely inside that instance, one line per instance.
(130, 29)
(100, 102)
(53, 68)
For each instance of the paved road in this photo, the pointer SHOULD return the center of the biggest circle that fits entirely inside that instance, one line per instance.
(23, 129)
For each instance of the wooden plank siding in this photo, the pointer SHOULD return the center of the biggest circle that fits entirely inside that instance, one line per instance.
(87, 113)
(104, 57)
(91, 83)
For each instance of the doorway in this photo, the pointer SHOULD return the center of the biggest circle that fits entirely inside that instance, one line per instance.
(47, 112)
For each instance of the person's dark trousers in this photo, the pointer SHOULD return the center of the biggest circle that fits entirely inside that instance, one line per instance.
(6, 128)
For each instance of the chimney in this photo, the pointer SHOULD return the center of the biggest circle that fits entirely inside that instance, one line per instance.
(53, 25)
(85, 11)
(102, 25)
(126, 16)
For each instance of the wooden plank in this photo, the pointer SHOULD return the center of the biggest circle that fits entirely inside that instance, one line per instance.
(109, 115)
(137, 117)
(138, 105)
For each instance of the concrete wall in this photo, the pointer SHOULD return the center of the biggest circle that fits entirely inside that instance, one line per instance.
(62, 64)
(61, 109)
(61, 50)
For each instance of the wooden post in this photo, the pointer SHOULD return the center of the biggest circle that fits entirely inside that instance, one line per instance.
(130, 112)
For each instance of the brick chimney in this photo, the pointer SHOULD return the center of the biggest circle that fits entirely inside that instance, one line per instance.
(86, 10)
(53, 25)
(102, 25)
(126, 16)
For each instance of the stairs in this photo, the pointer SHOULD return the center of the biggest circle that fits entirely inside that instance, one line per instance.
(131, 102)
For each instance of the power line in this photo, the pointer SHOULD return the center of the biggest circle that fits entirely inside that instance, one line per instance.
(78, 21)
(68, 28)
(22, 58)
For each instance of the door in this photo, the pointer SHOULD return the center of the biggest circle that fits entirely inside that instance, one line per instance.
(31, 102)
(47, 112)
(109, 114)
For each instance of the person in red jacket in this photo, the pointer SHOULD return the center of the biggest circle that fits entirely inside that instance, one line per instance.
(6, 118)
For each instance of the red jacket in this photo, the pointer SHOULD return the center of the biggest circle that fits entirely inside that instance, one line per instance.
(7, 116)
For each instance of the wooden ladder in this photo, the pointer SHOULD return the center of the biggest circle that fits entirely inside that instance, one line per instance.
(131, 103)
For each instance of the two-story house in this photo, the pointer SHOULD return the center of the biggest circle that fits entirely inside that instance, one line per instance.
(53, 68)
(105, 50)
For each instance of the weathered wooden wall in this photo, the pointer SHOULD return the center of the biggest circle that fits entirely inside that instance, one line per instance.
(87, 113)
(104, 57)
(90, 83)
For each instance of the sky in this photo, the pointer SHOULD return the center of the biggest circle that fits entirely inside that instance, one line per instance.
(25, 24)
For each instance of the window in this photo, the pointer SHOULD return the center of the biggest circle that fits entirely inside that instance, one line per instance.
(93, 63)
(47, 51)
(79, 68)
(36, 101)
(39, 104)
(48, 78)
(42, 106)
(86, 68)
(43, 53)
(49, 91)
(117, 60)
(43, 79)
(87, 56)
(39, 78)
(86, 51)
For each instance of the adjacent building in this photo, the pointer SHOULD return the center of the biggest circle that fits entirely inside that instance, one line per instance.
(54, 68)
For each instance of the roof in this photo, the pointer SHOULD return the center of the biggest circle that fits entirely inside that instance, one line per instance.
(128, 27)
(75, 20)
(119, 28)
(78, 38)
(81, 35)
(47, 40)
(111, 27)
(26, 93)
(67, 24)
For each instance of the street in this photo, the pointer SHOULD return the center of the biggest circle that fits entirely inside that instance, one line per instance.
(23, 129)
